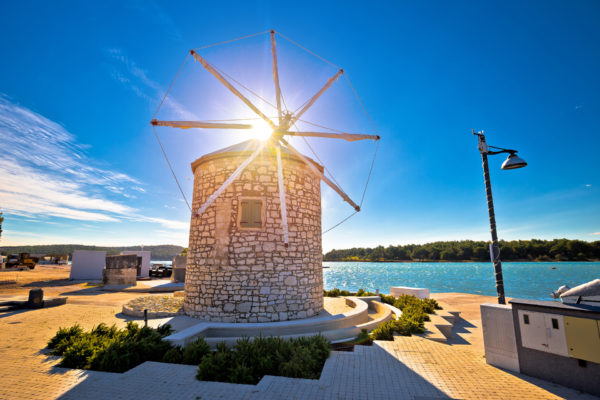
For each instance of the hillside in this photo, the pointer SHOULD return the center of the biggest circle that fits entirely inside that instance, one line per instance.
(469, 250)
(162, 252)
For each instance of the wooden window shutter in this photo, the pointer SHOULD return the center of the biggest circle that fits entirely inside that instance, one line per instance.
(256, 213)
(251, 214)
(244, 221)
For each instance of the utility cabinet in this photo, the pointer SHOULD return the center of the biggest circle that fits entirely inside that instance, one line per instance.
(558, 342)
(543, 332)
(583, 338)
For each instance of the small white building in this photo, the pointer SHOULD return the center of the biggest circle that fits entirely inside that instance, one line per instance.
(87, 265)
(145, 267)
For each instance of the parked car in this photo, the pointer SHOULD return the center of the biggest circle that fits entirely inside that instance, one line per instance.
(161, 270)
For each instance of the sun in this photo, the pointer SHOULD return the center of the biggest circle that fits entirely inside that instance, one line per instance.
(261, 130)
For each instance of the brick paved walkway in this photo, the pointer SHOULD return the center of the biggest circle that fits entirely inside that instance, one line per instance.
(407, 368)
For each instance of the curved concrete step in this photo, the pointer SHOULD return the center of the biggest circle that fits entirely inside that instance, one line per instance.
(230, 332)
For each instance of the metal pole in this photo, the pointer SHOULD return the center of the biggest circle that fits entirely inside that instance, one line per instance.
(495, 248)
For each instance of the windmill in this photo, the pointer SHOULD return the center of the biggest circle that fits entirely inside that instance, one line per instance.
(280, 131)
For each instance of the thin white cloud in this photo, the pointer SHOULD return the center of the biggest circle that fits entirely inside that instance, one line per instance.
(126, 71)
(595, 233)
(167, 223)
(43, 171)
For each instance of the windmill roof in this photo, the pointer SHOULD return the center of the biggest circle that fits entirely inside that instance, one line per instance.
(247, 147)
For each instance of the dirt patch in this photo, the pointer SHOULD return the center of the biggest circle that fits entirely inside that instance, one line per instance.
(157, 306)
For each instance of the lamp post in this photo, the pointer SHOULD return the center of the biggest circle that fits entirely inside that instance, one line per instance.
(512, 162)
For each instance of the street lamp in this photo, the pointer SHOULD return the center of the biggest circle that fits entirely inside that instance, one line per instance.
(512, 162)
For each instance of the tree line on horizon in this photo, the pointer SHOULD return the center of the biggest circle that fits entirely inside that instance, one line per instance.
(162, 252)
(469, 250)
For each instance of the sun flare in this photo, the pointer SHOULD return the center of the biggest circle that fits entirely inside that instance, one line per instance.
(261, 130)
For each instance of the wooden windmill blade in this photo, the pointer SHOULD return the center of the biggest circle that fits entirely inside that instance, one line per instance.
(232, 88)
(232, 178)
(282, 202)
(350, 137)
(315, 97)
(199, 124)
(281, 186)
(276, 76)
(325, 179)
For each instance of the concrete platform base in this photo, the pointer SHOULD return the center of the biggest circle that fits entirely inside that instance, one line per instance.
(340, 327)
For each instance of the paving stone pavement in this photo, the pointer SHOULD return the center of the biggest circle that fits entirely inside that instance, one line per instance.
(407, 368)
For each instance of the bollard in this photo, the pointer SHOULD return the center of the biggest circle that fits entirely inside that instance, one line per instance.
(146, 317)
(36, 298)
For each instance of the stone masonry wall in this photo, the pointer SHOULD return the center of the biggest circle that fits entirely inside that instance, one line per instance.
(247, 274)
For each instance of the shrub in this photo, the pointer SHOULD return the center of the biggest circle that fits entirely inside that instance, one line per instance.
(384, 331)
(193, 353)
(216, 367)
(81, 351)
(414, 313)
(364, 293)
(363, 338)
(63, 338)
(335, 292)
(107, 348)
(173, 356)
(388, 299)
(250, 360)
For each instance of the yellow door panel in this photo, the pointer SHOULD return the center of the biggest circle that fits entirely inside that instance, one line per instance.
(583, 338)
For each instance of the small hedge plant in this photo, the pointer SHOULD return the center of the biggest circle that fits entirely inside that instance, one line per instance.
(337, 293)
(414, 314)
(111, 349)
(249, 360)
(107, 348)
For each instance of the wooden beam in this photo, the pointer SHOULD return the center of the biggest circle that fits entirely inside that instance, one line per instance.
(350, 137)
(316, 171)
(232, 88)
(316, 96)
(276, 76)
(230, 180)
(199, 124)
(282, 203)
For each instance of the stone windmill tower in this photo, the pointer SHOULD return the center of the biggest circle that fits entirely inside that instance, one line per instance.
(255, 252)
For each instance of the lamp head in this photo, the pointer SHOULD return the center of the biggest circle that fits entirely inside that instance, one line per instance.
(513, 162)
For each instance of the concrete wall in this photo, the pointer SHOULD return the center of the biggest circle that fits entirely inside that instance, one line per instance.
(237, 274)
(87, 264)
(499, 336)
(146, 255)
(120, 270)
(418, 292)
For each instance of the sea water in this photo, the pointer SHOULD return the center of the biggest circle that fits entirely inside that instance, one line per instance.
(525, 280)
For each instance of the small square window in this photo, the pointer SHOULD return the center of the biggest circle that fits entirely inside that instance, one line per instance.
(554, 323)
(526, 319)
(251, 213)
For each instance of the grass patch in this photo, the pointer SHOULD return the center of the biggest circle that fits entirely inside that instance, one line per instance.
(169, 304)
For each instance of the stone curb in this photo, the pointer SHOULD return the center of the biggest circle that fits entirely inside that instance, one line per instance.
(151, 314)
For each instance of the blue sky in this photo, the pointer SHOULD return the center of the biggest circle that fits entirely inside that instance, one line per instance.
(79, 82)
